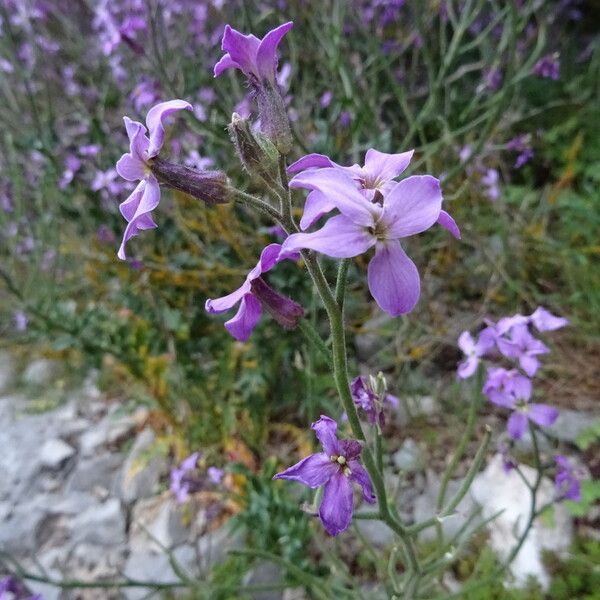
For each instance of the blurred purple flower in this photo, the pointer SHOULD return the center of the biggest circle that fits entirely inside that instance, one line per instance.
(567, 483)
(335, 468)
(253, 295)
(544, 320)
(105, 180)
(326, 99)
(492, 79)
(90, 150)
(365, 398)
(502, 383)
(12, 589)
(345, 119)
(548, 67)
(105, 235)
(21, 322)
(474, 350)
(215, 475)
(490, 182)
(522, 145)
(182, 480)
(524, 347)
(145, 93)
(411, 206)
(72, 165)
(133, 166)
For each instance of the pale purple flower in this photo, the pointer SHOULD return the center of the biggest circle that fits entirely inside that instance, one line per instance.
(257, 59)
(544, 320)
(326, 99)
(72, 165)
(366, 398)
(254, 295)
(182, 481)
(548, 66)
(21, 321)
(105, 235)
(524, 347)
(522, 145)
(336, 468)
(411, 206)
(145, 93)
(133, 166)
(508, 462)
(474, 350)
(345, 119)
(106, 180)
(492, 79)
(524, 411)
(90, 150)
(377, 174)
(215, 475)
(11, 589)
(506, 324)
(567, 483)
(503, 383)
(490, 181)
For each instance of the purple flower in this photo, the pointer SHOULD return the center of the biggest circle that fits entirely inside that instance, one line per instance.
(508, 462)
(524, 347)
(524, 411)
(490, 182)
(21, 321)
(522, 145)
(215, 475)
(548, 66)
(133, 166)
(257, 59)
(253, 294)
(502, 384)
(90, 149)
(11, 589)
(335, 468)
(72, 165)
(474, 350)
(492, 79)
(567, 484)
(413, 205)
(544, 320)
(367, 399)
(326, 98)
(182, 482)
(377, 174)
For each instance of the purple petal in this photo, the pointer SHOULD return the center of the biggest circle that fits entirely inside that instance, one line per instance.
(315, 207)
(412, 206)
(486, 340)
(311, 161)
(225, 303)
(226, 62)
(154, 122)
(246, 318)
(393, 279)
(325, 429)
(341, 191)
(449, 224)
(190, 462)
(546, 321)
(467, 367)
(141, 219)
(529, 364)
(466, 342)
(130, 167)
(266, 57)
(242, 50)
(360, 475)
(386, 166)
(339, 237)
(506, 324)
(336, 506)
(502, 398)
(542, 414)
(350, 448)
(138, 142)
(314, 470)
(517, 424)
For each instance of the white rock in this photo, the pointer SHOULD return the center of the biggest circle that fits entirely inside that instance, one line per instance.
(156, 524)
(54, 453)
(409, 457)
(101, 524)
(40, 372)
(496, 491)
(570, 424)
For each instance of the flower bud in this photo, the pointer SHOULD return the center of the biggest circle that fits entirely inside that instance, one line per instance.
(274, 122)
(257, 154)
(284, 310)
(209, 186)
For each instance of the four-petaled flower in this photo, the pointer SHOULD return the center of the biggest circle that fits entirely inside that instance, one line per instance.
(134, 166)
(411, 206)
(474, 350)
(336, 468)
(253, 294)
(504, 383)
(524, 411)
(524, 347)
(182, 482)
(377, 174)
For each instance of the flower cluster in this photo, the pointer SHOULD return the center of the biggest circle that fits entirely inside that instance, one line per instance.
(186, 478)
(336, 468)
(370, 395)
(512, 388)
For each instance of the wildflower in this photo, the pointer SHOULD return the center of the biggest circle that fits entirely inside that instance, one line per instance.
(134, 166)
(474, 350)
(508, 462)
(566, 482)
(326, 98)
(366, 398)
(548, 66)
(215, 475)
(377, 174)
(11, 589)
(72, 165)
(503, 383)
(413, 205)
(182, 482)
(522, 145)
(335, 468)
(253, 295)
(524, 347)
(544, 320)
(257, 59)
(490, 182)
(524, 411)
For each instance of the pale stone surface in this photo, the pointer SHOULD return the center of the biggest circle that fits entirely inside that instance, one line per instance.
(55, 452)
(494, 490)
(40, 372)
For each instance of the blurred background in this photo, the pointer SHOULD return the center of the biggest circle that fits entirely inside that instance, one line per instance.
(111, 372)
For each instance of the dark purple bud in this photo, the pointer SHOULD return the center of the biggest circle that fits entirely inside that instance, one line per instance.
(209, 186)
(257, 154)
(284, 310)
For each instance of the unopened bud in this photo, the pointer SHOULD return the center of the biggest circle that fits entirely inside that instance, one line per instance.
(209, 186)
(284, 310)
(274, 122)
(257, 154)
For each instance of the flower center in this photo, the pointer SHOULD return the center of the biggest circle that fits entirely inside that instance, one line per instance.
(341, 461)
(522, 406)
(378, 231)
